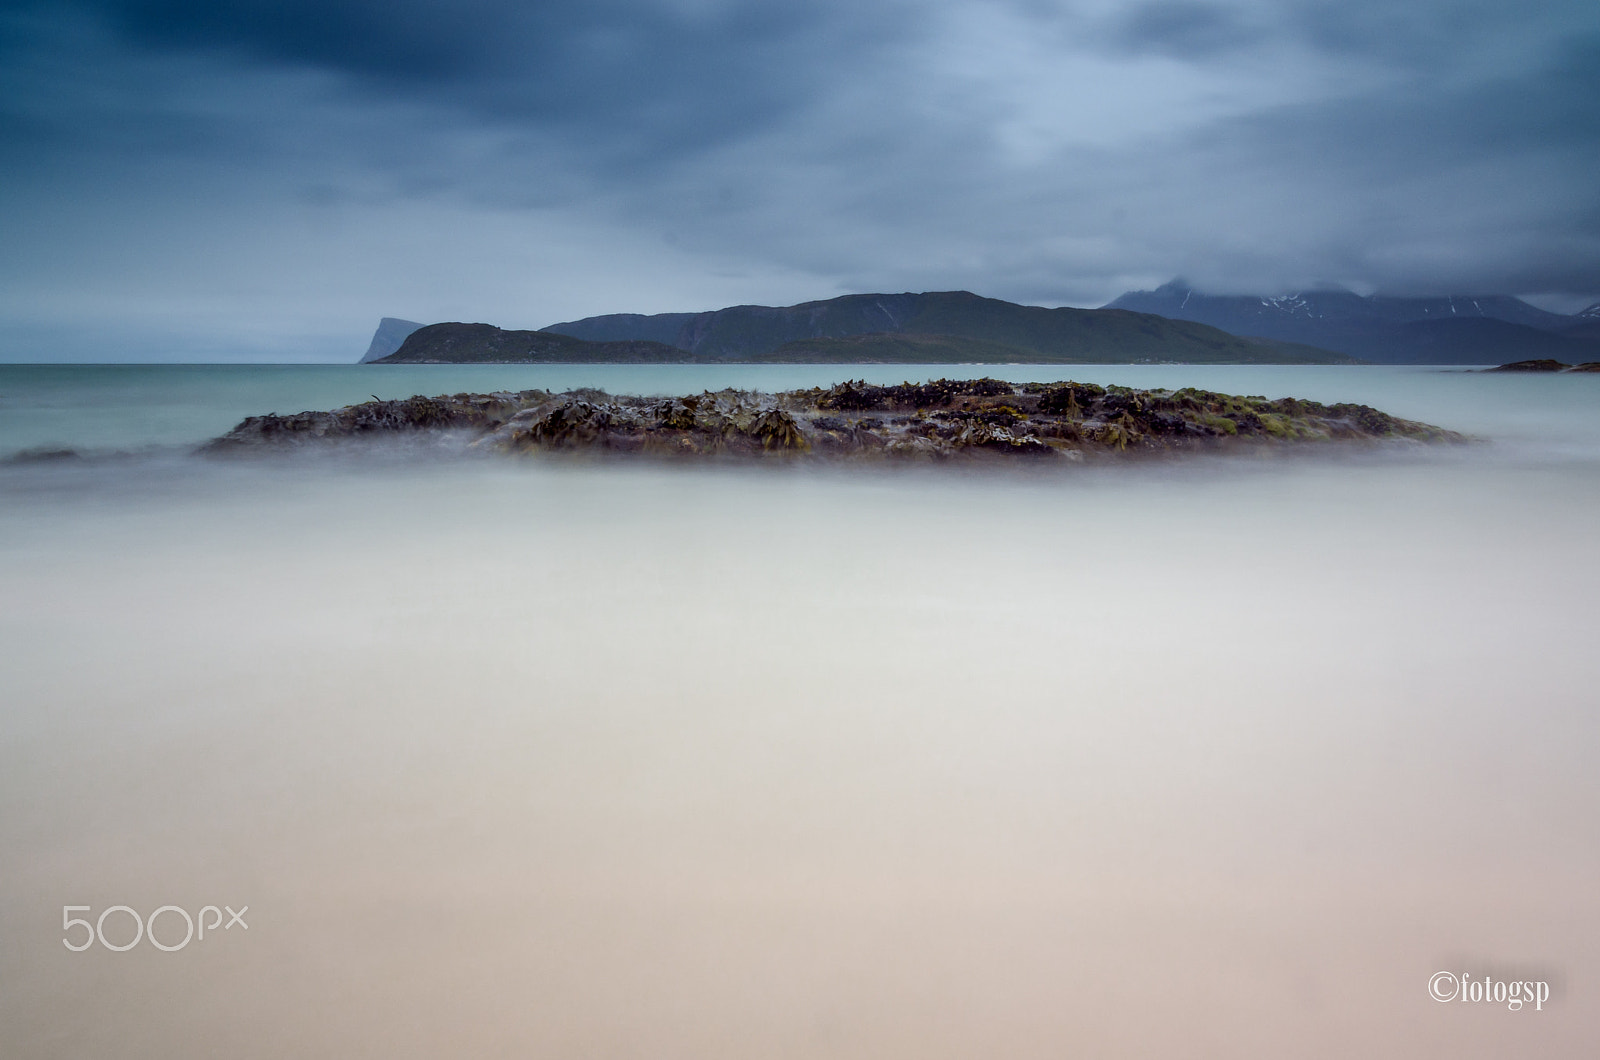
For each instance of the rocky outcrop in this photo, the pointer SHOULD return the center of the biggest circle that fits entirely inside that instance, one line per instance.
(936, 420)
(1540, 365)
(373, 419)
(1545, 365)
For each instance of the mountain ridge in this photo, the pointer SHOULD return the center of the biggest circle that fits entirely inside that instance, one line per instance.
(1459, 329)
(458, 343)
(1047, 335)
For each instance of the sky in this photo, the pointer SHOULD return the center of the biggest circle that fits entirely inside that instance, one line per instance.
(261, 180)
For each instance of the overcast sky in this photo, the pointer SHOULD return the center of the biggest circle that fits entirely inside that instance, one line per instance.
(264, 179)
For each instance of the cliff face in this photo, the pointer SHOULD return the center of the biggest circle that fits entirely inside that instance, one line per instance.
(391, 334)
(1031, 333)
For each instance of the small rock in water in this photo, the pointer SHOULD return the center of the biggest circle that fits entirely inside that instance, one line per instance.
(1543, 365)
(45, 455)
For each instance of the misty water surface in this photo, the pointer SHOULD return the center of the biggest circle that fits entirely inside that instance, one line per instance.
(541, 758)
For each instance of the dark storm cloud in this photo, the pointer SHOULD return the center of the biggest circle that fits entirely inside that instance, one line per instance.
(1484, 186)
(669, 76)
(344, 159)
(395, 40)
(1184, 29)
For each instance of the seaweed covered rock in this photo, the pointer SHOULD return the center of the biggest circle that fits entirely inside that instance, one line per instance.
(942, 419)
(1546, 365)
(1543, 364)
(376, 418)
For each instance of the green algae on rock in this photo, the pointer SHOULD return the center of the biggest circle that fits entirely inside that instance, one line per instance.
(936, 420)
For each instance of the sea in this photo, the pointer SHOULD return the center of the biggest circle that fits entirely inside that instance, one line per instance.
(405, 755)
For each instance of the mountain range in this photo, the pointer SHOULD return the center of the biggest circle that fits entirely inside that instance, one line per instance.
(941, 327)
(1454, 329)
(1173, 323)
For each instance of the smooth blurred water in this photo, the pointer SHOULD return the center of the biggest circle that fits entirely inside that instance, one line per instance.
(521, 758)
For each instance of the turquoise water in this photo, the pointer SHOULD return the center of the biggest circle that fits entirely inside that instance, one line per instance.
(122, 407)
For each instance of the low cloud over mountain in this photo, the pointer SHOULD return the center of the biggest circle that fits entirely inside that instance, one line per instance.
(1459, 329)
